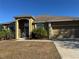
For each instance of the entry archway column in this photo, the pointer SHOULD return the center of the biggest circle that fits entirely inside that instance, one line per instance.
(31, 21)
(50, 30)
(17, 28)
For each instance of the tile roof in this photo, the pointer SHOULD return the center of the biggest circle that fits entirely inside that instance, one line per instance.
(47, 18)
(55, 18)
(21, 17)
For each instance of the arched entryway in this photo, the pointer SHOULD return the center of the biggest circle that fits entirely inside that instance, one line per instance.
(24, 28)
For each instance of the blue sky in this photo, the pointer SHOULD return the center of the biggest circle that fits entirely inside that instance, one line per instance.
(11, 8)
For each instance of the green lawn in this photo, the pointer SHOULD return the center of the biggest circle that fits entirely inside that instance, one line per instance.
(28, 50)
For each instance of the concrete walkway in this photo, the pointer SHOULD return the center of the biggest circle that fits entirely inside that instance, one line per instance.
(68, 49)
(22, 39)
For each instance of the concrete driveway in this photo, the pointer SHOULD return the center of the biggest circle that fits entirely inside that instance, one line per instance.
(68, 49)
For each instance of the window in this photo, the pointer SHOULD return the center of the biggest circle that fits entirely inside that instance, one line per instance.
(40, 25)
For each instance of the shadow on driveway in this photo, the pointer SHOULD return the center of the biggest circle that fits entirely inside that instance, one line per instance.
(70, 44)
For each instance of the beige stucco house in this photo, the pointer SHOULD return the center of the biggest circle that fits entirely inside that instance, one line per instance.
(58, 26)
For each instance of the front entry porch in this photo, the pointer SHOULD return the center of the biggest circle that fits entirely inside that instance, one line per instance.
(23, 27)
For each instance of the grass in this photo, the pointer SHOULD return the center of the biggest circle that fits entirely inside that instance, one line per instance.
(28, 50)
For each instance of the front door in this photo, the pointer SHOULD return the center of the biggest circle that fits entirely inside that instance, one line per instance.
(26, 29)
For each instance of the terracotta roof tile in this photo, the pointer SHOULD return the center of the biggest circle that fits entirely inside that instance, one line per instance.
(54, 18)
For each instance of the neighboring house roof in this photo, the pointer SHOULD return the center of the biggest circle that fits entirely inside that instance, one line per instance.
(7, 23)
(55, 18)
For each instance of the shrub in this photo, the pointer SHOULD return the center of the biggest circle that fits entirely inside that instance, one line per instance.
(2, 34)
(39, 33)
(5, 34)
(8, 34)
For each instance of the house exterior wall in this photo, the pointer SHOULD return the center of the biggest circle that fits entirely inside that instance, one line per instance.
(56, 30)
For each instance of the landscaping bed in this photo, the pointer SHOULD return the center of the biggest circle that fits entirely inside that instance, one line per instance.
(28, 50)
